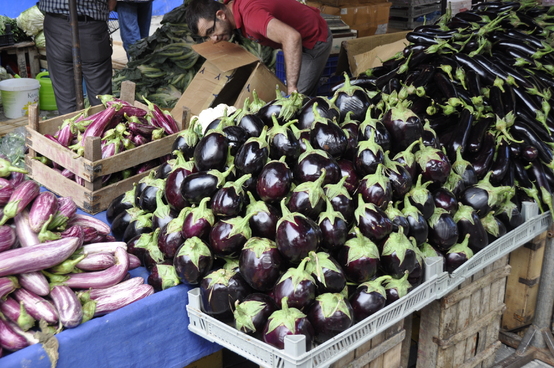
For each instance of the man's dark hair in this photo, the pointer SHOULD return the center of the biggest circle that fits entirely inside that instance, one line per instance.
(197, 9)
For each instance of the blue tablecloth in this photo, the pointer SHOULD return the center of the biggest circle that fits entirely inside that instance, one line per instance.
(152, 332)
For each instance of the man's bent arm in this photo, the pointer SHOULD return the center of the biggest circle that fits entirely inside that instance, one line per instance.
(291, 43)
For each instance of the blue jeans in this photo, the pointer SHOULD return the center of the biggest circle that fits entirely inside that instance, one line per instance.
(134, 21)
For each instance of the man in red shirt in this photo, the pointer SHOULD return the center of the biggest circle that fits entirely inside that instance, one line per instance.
(297, 29)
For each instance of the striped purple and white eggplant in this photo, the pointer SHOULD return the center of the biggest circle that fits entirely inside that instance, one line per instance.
(7, 285)
(12, 338)
(44, 206)
(17, 178)
(104, 278)
(68, 305)
(22, 195)
(8, 237)
(74, 231)
(6, 190)
(96, 261)
(109, 303)
(35, 282)
(134, 261)
(38, 307)
(68, 265)
(123, 286)
(89, 221)
(16, 312)
(107, 247)
(66, 210)
(25, 235)
(38, 257)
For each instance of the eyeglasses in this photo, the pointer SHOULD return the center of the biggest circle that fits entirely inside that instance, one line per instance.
(210, 30)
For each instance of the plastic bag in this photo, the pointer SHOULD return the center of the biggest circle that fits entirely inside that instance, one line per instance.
(30, 21)
(13, 147)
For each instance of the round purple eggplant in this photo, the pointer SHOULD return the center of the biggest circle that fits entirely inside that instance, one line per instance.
(198, 221)
(459, 254)
(260, 263)
(397, 288)
(139, 225)
(282, 107)
(419, 228)
(119, 204)
(263, 218)
(443, 231)
(369, 155)
(185, 143)
(219, 291)
(236, 136)
(406, 158)
(211, 151)
(174, 180)
(230, 199)
(468, 223)
(350, 129)
(400, 179)
(372, 221)
(163, 276)
(445, 199)
(287, 321)
(327, 273)
(422, 198)
(334, 228)
(494, 227)
(404, 126)
(465, 169)
(199, 185)
(252, 313)
(340, 199)
(372, 126)
(368, 298)
(296, 235)
(252, 124)
(252, 155)
(325, 108)
(376, 188)
(325, 134)
(312, 162)
(193, 260)
(510, 215)
(274, 181)
(283, 142)
(330, 314)
(171, 238)
(483, 196)
(308, 198)
(399, 254)
(227, 237)
(348, 170)
(151, 254)
(359, 258)
(398, 219)
(353, 99)
(297, 285)
(433, 164)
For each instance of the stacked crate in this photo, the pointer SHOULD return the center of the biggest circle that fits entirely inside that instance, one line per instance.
(405, 14)
(462, 328)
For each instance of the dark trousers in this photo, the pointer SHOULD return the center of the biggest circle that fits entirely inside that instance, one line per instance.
(313, 64)
(95, 54)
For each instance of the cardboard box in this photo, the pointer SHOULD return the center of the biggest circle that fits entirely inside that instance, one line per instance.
(229, 75)
(368, 19)
(361, 54)
(325, 9)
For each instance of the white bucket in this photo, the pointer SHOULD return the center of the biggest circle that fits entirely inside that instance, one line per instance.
(17, 95)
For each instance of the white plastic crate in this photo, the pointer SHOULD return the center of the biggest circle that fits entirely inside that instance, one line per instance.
(294, 354)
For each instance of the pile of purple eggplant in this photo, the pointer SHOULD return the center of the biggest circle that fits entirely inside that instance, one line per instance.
(121, 126)
(58, 268)
(307, 215)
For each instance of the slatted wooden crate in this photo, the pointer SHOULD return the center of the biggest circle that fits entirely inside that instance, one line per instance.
(92, 197)
(9, 125)
(382, 351)
(462, 329)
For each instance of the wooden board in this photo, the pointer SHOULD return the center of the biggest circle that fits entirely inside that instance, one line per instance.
(382, 351)
(462, 328)
(523, 284)
(9, 125)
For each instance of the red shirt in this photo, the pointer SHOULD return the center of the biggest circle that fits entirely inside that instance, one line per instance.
(252, 17)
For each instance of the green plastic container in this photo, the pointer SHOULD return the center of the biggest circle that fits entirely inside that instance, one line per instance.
(47, 99)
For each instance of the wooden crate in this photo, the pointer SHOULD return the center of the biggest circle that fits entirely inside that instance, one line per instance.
(91, 197)
(7, 126)
(462, 329)
(523, 285)
(382, 351)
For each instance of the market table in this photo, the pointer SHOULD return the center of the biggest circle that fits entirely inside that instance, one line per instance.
(152, 332)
